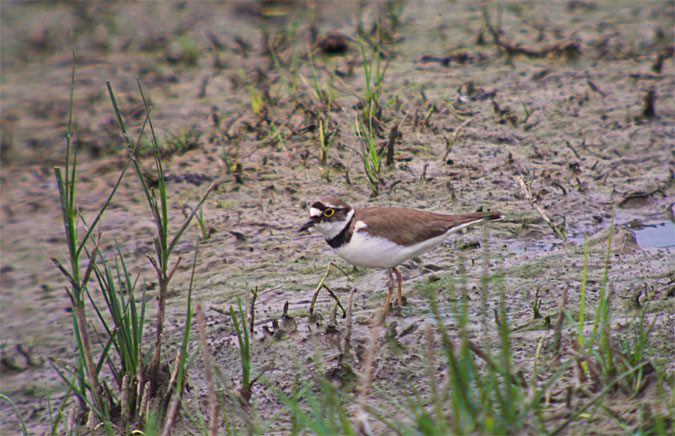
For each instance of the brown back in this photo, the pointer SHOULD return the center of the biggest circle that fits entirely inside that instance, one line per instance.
(410, 226)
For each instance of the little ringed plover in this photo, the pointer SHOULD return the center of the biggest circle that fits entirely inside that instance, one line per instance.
(384, 237)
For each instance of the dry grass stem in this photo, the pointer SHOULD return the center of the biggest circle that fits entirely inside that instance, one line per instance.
(322, 285)
(208, 373)
(251, 311)
(366, 375)
(171, 415)
(533, 202)
(431, 360)
(557, 335)
(348, 323)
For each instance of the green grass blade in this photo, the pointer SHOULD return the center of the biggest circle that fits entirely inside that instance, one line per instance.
(602, 309)
(597, 397)
(187, 221)
(188, 325)
(104, 207)
(131, 148)
(164, 216)
(582, 298)
(17, 412)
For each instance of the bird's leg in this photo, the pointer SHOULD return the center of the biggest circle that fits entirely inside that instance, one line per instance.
(391, 291)
(400, 279)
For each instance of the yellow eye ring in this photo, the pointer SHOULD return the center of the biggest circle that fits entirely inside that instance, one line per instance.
(329, 213)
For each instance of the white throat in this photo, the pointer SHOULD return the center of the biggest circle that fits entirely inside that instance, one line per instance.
(330, 229)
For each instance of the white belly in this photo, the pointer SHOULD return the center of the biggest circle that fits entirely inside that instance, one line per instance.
(373, 252)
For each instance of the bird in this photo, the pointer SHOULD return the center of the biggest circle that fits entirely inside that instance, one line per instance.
(384, 237)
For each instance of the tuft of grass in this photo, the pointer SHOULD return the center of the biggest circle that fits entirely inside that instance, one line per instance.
(326, 134)
(368, 123)
(138, 376)
(371, 157)
(164, 245)
(276, 136)
(178, 379)
(84, 379)
(242, 330)
(317, 406)
(178, 143)
(323, 97)
(204, 230)
(321, 94)
(288, 69)
(257, 105)
(184, 52)
(607, 366)
(373, 73)
(125, 333)
(483, 394)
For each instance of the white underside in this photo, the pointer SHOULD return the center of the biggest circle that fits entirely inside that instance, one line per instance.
(369, 251)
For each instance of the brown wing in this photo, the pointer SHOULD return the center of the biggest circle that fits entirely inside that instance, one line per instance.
(409, 226)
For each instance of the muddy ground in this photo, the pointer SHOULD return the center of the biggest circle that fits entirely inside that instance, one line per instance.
(562, 101)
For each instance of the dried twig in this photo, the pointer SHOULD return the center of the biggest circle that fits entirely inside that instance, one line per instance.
(171, 415)
(81, 319)
(595, 88)
(528, 194)
(163, 280)
(455, 136)
(567, 47)
(393, 134)
(337, 300)
(557, 335)
(322, 285)
(573, 150)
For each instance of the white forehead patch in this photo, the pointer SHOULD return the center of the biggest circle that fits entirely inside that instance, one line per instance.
(314, 212)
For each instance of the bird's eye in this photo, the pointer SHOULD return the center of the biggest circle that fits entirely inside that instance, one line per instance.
(329, 213)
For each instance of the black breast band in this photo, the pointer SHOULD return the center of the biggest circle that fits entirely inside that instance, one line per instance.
(343, 237)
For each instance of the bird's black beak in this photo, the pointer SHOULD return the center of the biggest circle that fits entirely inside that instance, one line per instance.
(307, 225)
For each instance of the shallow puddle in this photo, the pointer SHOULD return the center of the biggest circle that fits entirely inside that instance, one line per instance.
(660, 235)
(533, 245)
(543, 244)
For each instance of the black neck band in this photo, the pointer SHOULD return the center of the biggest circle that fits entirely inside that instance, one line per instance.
(343, 237)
